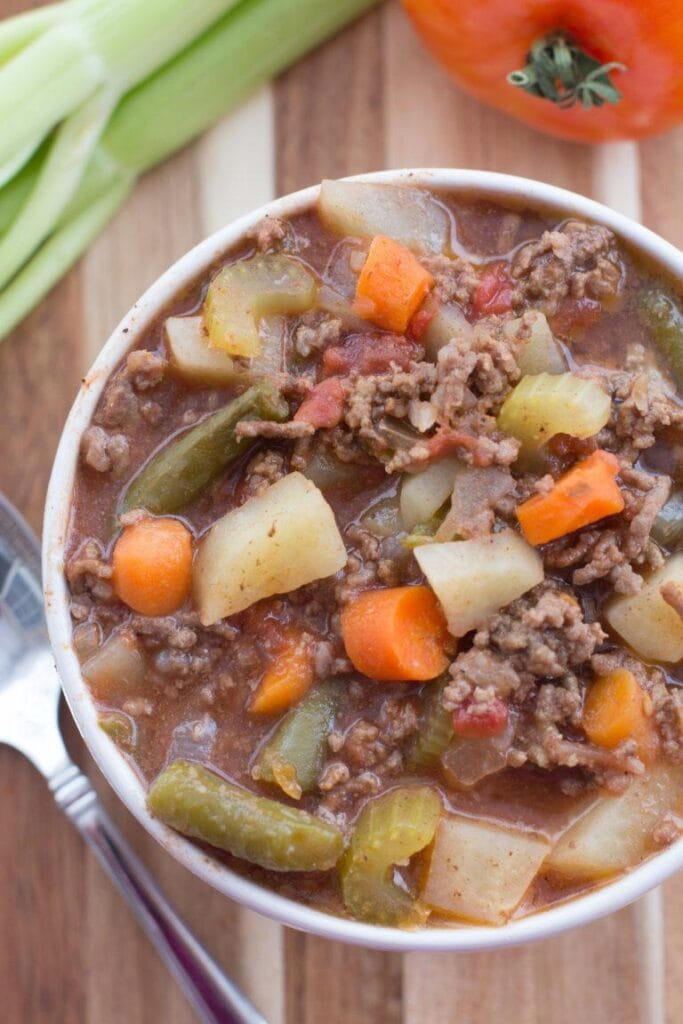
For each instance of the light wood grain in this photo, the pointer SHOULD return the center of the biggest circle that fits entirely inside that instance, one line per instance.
(70, 952)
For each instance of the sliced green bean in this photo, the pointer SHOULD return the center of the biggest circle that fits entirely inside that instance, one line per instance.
(436, 728)
(293, 757)
(389, 831)
(201, 804)
(177, 474)
(667, 528)
(665, 321)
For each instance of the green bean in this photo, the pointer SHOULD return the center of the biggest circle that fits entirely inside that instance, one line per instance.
(663, 317)
(293, 756)
(436, 727)
(667, 528)
(201, 804)
(389, 831)
(177, 474)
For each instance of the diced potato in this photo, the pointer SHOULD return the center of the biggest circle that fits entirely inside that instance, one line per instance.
(244, 292)
(541, 352)
(117, 668)
(475, 578)
(409, 215)
(480, 871)
(198, 362)
(192, 358)
(645, 621)
(274, 543)
(448, 322)
(546, 404)
(423, 493)
(614, 833)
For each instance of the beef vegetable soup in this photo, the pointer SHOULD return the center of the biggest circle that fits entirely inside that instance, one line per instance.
(373, 557)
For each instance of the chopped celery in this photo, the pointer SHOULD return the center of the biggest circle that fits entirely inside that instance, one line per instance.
(119, 728)
(183, 468)
(665, 321)
(293, 756)
(247, 290)
(436, 727)
(546, 404)
(389, 830)
(201, 804)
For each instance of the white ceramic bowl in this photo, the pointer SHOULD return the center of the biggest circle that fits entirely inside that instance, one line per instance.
(578, 911)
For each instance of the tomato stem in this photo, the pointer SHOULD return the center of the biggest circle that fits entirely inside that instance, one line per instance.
(559, 70)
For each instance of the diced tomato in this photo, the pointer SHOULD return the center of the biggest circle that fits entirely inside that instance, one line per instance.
(494, 291)
(370, 353)
(483, 724)
(421, 321)
(324, 405)
(575, 316)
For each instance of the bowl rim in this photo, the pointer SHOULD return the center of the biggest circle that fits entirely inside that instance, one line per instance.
(612, 895)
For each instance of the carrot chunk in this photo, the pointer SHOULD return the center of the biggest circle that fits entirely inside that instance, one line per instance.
(391, 285)
(152, 563)
(288, 679)
(587, 493)
(398, 633)
(614, 711)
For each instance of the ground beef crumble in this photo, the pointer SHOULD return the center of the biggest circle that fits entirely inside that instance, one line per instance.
(575, 260)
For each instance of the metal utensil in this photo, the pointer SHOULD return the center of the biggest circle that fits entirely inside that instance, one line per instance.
(29, 703)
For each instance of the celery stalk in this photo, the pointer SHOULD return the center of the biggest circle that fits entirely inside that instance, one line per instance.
(250, 44)
(103, 42)
(59, 178)
(55, 257)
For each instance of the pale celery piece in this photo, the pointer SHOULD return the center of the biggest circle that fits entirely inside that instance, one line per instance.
(409, 215)
(545, 404)
(475, 578)
(436, 727)
(389, 831)
(646, 621)
(119, 728)
(116, 668)
(244, 292)
(201, 804)
(276, 542)
(293, 757)
(541, 352)
(423, 493)
(614, 834)
(479, 871)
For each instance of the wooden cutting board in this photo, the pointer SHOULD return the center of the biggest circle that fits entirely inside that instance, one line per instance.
(70, 952)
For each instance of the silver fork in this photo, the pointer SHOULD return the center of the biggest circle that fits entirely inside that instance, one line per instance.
(29, 703)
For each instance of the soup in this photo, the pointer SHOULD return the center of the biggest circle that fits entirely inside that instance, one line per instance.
(373, 557)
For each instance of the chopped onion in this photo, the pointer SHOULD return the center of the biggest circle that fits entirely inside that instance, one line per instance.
(467, 761)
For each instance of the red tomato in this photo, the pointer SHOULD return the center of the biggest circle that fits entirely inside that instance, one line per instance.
(480, 726)
(370, 353)
(625, 55)
(494, 291)
(323, 406)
